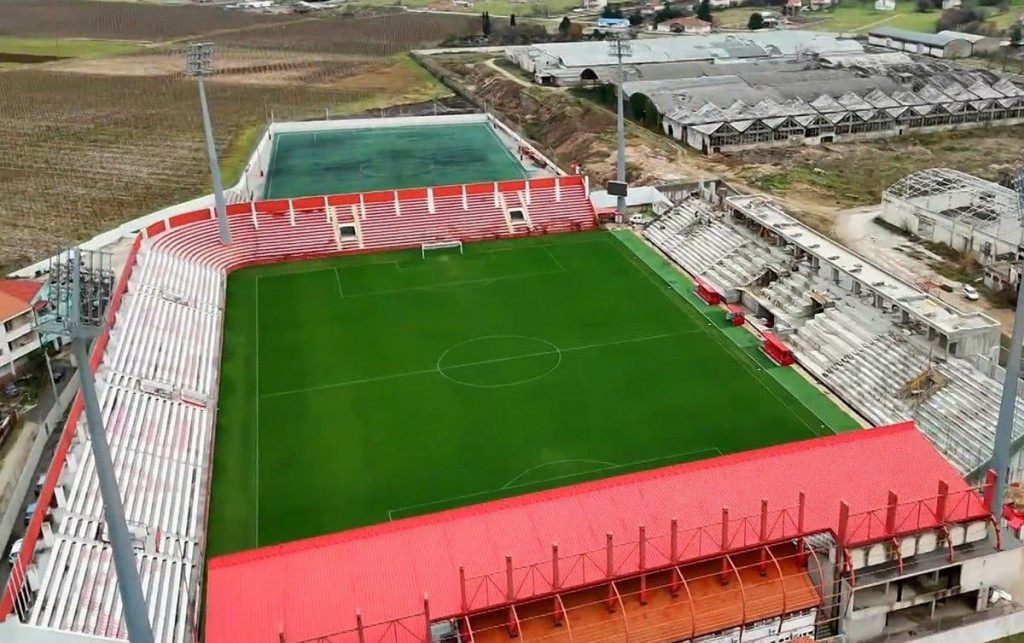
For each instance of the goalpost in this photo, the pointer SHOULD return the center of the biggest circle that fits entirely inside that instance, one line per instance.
(439, 245)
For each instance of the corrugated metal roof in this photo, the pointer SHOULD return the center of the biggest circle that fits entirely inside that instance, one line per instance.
(313, 587)
(699, 47)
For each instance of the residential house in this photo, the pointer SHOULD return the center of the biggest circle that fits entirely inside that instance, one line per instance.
(685, 25)
(18, 335)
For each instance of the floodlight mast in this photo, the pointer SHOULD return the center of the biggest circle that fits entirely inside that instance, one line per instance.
(1011, 380)
(198, 64)
(621, 48)
(81, 286)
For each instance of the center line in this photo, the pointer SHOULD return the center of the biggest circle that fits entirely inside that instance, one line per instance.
(496, 360)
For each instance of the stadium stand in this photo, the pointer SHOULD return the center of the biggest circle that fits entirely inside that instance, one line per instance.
(279, 230)
(708, 248)
(157, 378)
(886, 365)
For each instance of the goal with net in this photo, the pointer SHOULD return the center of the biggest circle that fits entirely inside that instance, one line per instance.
(439, 245)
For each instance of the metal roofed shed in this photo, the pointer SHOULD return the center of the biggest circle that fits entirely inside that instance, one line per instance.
(945, 44)
(313, 588)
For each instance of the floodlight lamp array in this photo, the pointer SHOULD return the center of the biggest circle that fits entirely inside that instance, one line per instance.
(81, 285)
(199, 59)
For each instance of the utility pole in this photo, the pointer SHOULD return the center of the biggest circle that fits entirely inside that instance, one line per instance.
(199, 64)
(81, 286)
(1011, 380)
(620, 47)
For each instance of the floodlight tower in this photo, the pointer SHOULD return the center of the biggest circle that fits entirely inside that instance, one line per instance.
(1011, 380)
(199, 64)
(620, 47)
(81, 286)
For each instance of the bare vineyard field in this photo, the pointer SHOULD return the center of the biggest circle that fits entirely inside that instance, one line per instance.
(380, 35)
(94, 141)
(85, 152)
(119, 21)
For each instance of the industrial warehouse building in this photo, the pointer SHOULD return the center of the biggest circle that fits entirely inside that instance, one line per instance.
(573, 63)
(830, 98)
(944, 44)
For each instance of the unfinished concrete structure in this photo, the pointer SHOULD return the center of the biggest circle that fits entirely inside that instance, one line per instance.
(968, 214)
(889, 350)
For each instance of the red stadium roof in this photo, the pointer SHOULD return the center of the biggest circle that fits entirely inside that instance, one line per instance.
(313, 587)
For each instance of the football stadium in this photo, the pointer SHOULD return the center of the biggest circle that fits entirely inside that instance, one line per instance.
(422, 395)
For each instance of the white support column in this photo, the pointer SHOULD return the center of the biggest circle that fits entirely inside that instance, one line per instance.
(465, 201)
(291, 212)
(430, 200)
(398, 208)
(586, 186)
(558, 189)
(327, 209)
(252, 209)
(527, 192)
(496, 203)
(362, 207)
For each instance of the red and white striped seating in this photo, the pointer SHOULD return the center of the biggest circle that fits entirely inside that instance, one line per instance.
(157, 378)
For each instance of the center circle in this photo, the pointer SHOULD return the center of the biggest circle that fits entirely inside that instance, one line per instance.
(385, 170)
(494, 361)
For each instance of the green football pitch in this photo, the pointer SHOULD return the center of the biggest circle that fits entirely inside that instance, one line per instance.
(349, 160)
(361, 389)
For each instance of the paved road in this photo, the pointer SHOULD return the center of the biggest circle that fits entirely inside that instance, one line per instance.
(33, 419)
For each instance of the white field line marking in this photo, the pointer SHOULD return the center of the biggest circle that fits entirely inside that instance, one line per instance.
(557, 262)
(498, 360)
(516, 479)
(337, 276)
(257, 410)
(677, 458)
(266, 272)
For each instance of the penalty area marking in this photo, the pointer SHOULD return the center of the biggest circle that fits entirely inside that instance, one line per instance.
(510, 484)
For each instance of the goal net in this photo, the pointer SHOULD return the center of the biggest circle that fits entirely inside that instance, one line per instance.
(439, 245)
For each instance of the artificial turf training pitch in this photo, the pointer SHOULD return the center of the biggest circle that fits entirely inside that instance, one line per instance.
(340, 161)
(365, 388)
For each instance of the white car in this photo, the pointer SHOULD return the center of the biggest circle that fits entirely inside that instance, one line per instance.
(15, 550)
(970, 293)
(636, 219)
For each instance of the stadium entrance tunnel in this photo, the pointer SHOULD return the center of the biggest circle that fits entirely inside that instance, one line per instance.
(495, 361)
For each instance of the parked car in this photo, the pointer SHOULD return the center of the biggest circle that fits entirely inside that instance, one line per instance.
(11, 389)
(15, 550)
(970, 293)
(636, 219)
(7, 419)
(59, 373)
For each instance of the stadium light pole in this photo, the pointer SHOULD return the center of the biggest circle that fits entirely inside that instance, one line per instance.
(81, 286)
(621, 48)
(199, 64)
(1011, 379)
